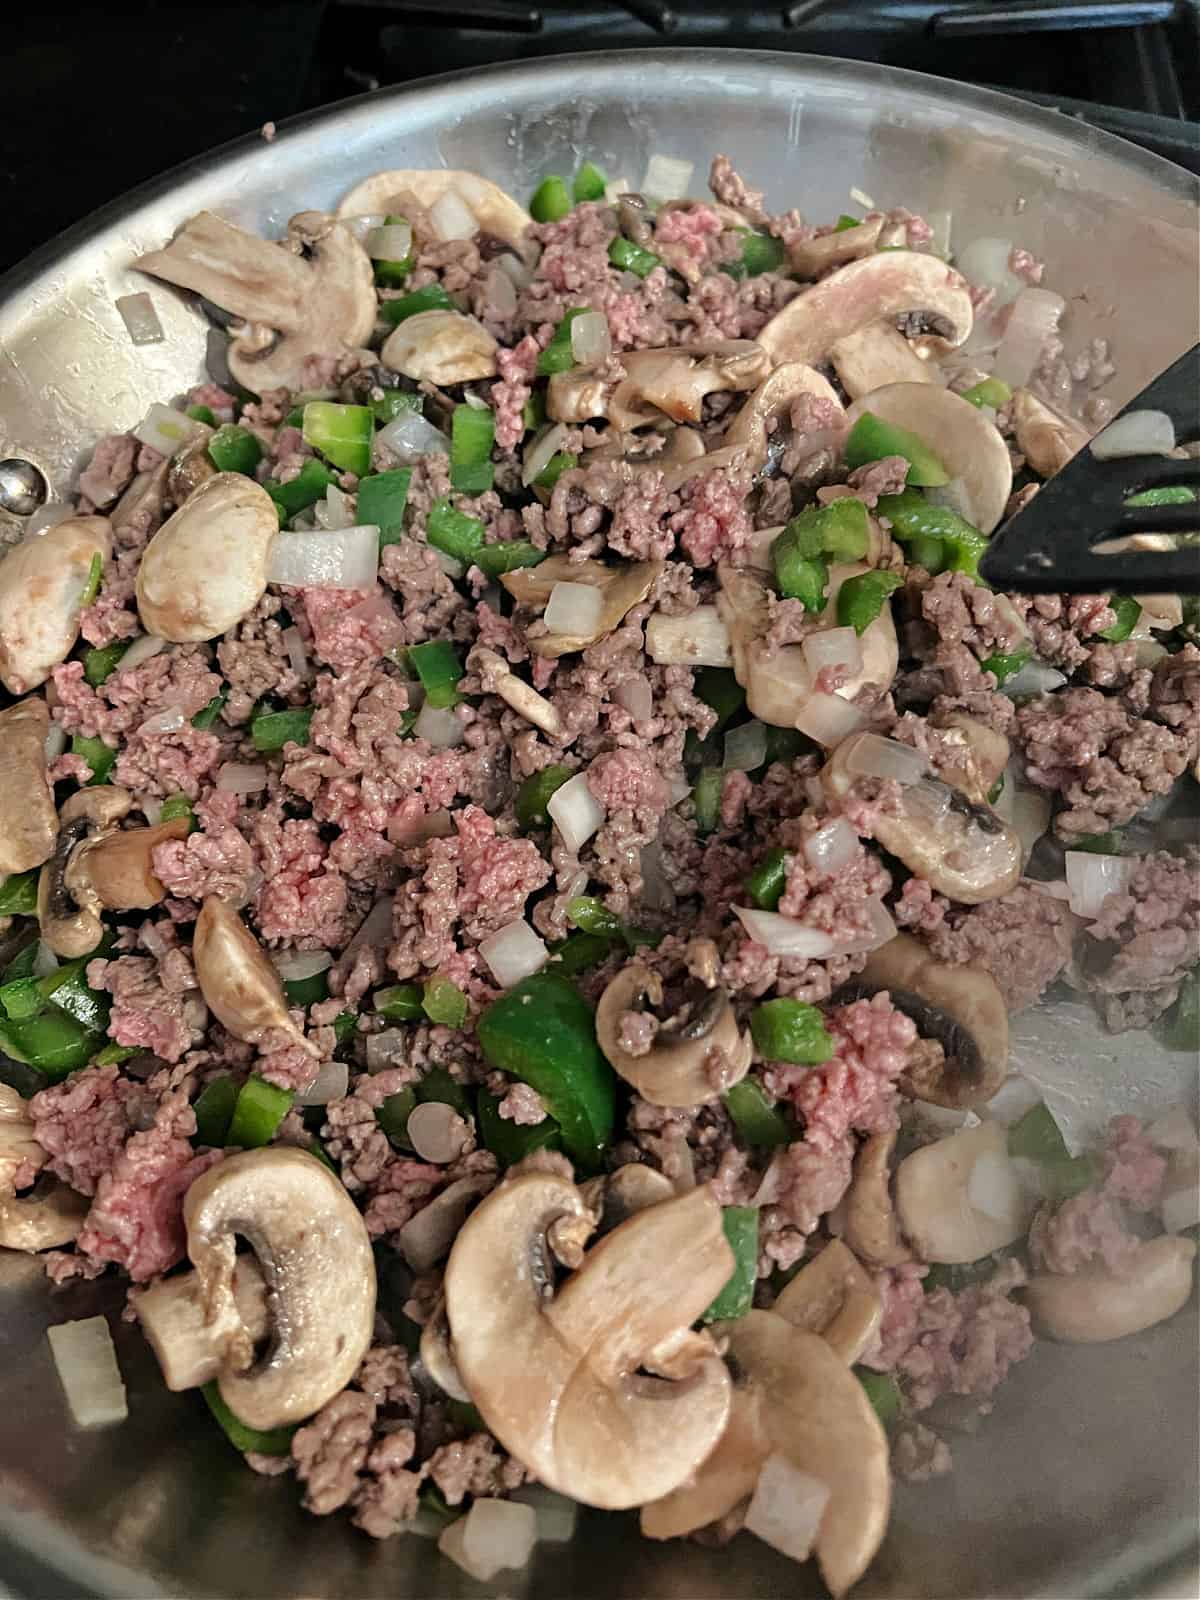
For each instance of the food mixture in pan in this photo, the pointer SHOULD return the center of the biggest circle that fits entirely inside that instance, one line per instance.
(523, 833)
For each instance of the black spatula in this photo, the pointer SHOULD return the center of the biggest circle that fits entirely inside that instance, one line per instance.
(1050, 545)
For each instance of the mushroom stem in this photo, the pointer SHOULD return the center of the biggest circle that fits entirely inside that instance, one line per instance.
(191, 1349)
(688, 1064)
(240, 986)
(1096, 1307)
(28, 823)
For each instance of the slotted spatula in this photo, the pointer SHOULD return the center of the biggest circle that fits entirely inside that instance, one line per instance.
(1049, 547)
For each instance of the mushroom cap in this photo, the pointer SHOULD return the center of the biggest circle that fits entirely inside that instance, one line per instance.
(688, 1068)
(557, 1379)
(1095, 1307)
(190, 466)
(879, 287)
(441, 347)
(968, 444)
(1045, 437)
(870, 1230)
(438, 1357)
(817, 1415)
(116, 870)
(42, 1219)
(770, 403)
(877, 354)
(206, 567)
(723, 1480)
(675, 380)
(619, 1194)
(68, 928)
(983, 753)
(623, 585)
(28, 821)
(496, 212)
(812, 257)
(42, 581)
(834, 1297)
(933, 1205)
(239, 984)
(315, 1255)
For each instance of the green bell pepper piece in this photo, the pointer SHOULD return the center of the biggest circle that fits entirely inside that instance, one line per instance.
(1004, 667)
(177, 805)
(1128, 611)
(511, 1142)
(913, 518)
(53, 1042)
(392, 1116)
(496, 559)
(304, 490)
(114, 1054)
(235, 449)
(274, 729)
(382, 497)
(551, 200)
(444, 1002)
(399, 1003)
(345, 1026)
(558, 356)
(472, 435)
(99, 665)
(760, 1123)
(439, 669)
(207, 715)
(790, 1030)
(18, 894)
(590, 183)
(392, 402)
(391, 274)
(740, 1224)
(706, 799)
(871, 439)
(721, 692)
(533, 412)
(342, 433)
(761, 252)
(440, 1087)
(630, 257)
(1037, 1137)
(91, 587)
(21, 998)
(1099, 844)
(307, 991)
(536, 793)
(766, 883)
(862, 597)
(213, 1108)
(1171, 494)
(98, 755)
(882, 1391)
(992, 392)
(67, 988)
(269, 1442)
(431, 298)
(453, 532)
(203, 414)
(846, 221)
(562, 461)
(578, 952)
(841, 531)
(259, 1109)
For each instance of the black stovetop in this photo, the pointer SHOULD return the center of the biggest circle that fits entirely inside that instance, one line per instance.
(97, 99)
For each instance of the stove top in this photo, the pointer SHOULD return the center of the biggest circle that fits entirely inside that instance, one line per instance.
(100, 99)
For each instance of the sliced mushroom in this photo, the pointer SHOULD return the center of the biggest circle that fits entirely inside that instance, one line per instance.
(239, 984)
(980, 754)
(174, 1318)
(618, 1195)
(206, 567)
(69, 928)
(190, 466)
(515, 692)
(116, 870)
(315, 1255)
(870, 1220)
(817, 1415)
(426, 1239)
(441, 347)
(577, 396)
(496, 212)
(28, 822)
(933, 1201)
(769, 405)
(42, 584)
(674, 381)
(623, 586)
(723, 1480)
(141, 507)
(696, 1055)
(877, 354)
(1045, 437)
(438, 1357)
(311, 296)
(557, 1376)
(812, 257)
(40, 1220)
(964, 850)
(1095, 1307)
(834, 1297)
(959, 1006)
(968, 444)
(893, 284)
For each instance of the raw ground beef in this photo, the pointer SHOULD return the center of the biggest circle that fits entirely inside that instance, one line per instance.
(1146, 939)
(1023, 938)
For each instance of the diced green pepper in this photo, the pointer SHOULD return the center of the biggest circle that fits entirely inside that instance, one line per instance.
(92, 587)
(840, 530)
(177, 805)
(846, 221)
(706, 799)
(99, 756)
(345, 1026)
(382, 497)
(862, 597)
(392, 1116)
(740, 1224)
(959, 1276)
(308, 991)
(593, 916)
(996, 790)
(214, 1107)
(53, 1042)
(1128, 611)
(533, 412)
(235, 449)
(444, 1002)
(883, 1392)
(391, 274)
(114, 1054)
(441, 1087)
(294, 418)
(68, 989)
(992, 392)
(761, 1125)
(453, 532)
(721, 692)
(590, 183)
(543, 1032)
(99, 664)
(803, 578)
(203, 414)
(22, 964)
(21, 998)
(431, 298)
(1171, 494)
(913, 517)
(304, 490)
(790, 1030)
(558, 355)
(274, 729)
(871, 439)
(579, 951)
(562, 461)
(536, 793)
(1037, 1137)
(1181, 1026)
(259, 1109)
(437, 665)
(399, 1003)
(472, 435)
(630, 257)
(392, 403)
(766, 883)
(508, 556)
(207, 715)
(1007, 666)
(269, 1442)
(1099, 844)
(927, 552)
(342, 433)
(761, 252)
(551, 200)
(18, 894)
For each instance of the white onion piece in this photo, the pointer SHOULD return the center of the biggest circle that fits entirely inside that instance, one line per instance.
(330, 1083)
(385, 1049)
(452, 217)
(636, 696)
(1035, 677)
(343, 558)
(876, 757)
(293, 643)
(439, 726)
(390, 242)
(1137, 433)
(574, 608)
(164, 429)
(142, 649)
(169, 720)
(410, 436)
(450, 565)
(828, 719)
(1029, 813)
(784, 936)
(880, 930)
(591, 342)
(745, 747)
(537, 458)
(140, 318)
(56, 741)
(984, 262)
(1181, 1208)
(862, 199)
(335, 511)
(1174, 1130)
(500, 292)
(995, 1190)
(436, 1132)
(493, 1536)
(242, 777)
(832, 847)
(1015, 1096)
(1053, 889)
(1032, 320)
(954, 497)
(667, 178)
(615, 189)
(1092, 878)
(514, 952)
(833, 647)
(293, 966)
(556, 1514)
(940, 224)
(86, 1360)
(575, 811)
(698, 639)
(517, 271)
(786, 1508)
(363, 226)
(44, 960)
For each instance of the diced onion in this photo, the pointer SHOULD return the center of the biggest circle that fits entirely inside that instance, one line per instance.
(242, 777)
(515, 269)
(556, 1514)
(698, 639)
(142, 649)
(169, 720)
(832, 847)
(929, 800)
(636, 696)
(44, 960)
(385, 1049)
(615, 189)
(56, 741)
(335, 510)
(1092, 878)
(876, 757)
(786, 1508)
(940, 224)
(1181, 1206)
(500, 292)
(745, 747)
(439, 726)
(493, 1536)
(861, 198)
(343, 558)
(833, 647)
(1137, 433)
(164, 429)
(436, 1131)
(331, 1083)
(591, 342)
(452, 217)
(574, 608)
(362, 227)
(995, 1190)
(667, 178)
(86, 1360)
(140, 318)
(514, 952)
(984, 262)
(575, 811)
(293, 643)
(391, 242)
(880, 930)
(1174, 1130)
(1030, 813)
(828, 719)
(1031, 322)
(537, 458)
(784, 936)
(293, 966)
(1035, 677)
(47, 517)
(410, 436)
(1015, 1096)
(954, 497)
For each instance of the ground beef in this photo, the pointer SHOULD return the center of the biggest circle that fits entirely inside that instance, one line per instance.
(961, 611)
(145, 1012)
(1134, 1171)
(330, 1451)
(522, 1105)
(731, 190)
(1084, 1229)
(497, 875)
(83, 1122)
(110, 470)
(1146, 939)
(918, 1454)
(712, 524)
(1022, 938)
(901, 1295)
(302, 901)
(214, 860)
(805, 1182)
(965, 1343)
(511, 393)
(474, 1466)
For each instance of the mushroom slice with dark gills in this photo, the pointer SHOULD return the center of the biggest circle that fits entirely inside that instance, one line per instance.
(495, 211)
(675, 381)
(758, 426)
(41, 1218)
(961, 848)
(690, 1057)
(28, 822)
